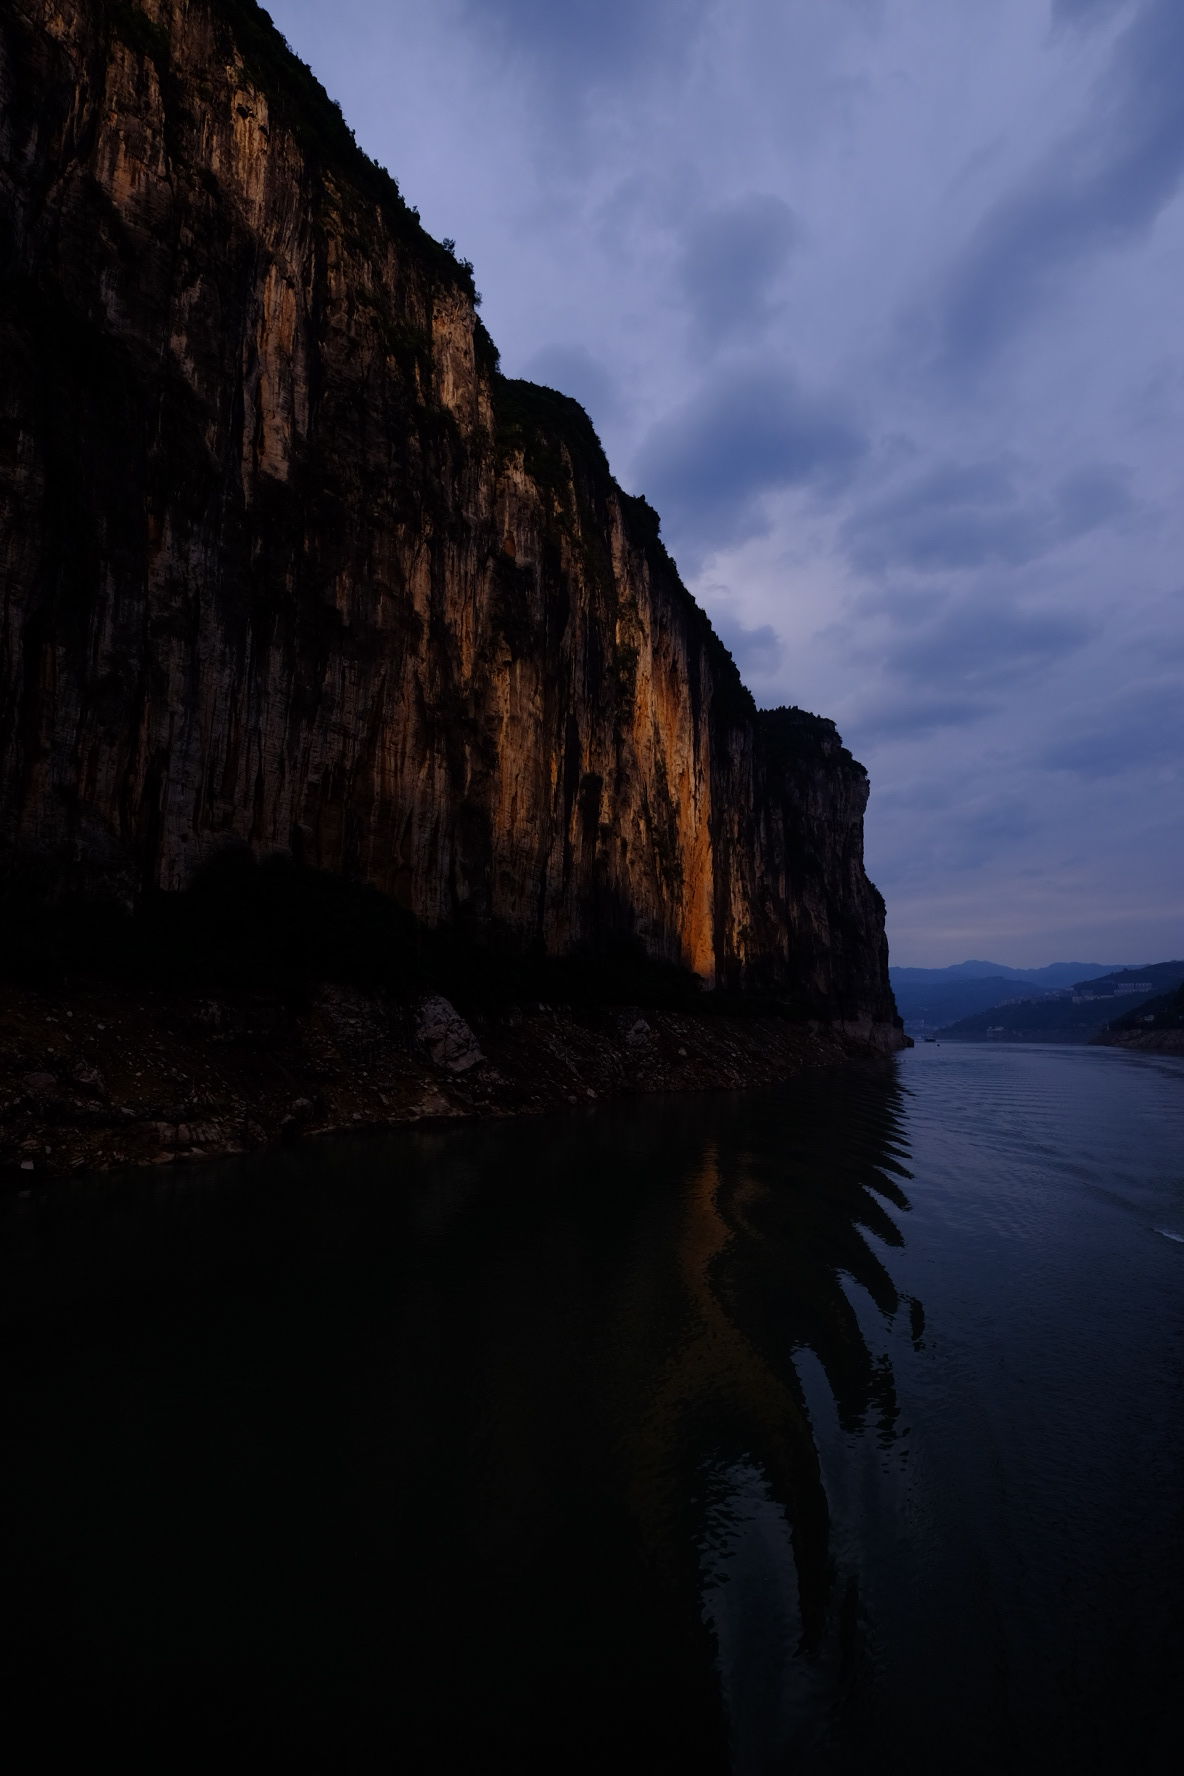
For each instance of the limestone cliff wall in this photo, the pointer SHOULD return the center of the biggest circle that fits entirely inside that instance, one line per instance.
(286, 560)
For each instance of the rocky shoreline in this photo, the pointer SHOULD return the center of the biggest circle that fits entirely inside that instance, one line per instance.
(102, 1078)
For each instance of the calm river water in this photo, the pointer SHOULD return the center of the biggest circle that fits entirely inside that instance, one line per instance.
(833, 1428)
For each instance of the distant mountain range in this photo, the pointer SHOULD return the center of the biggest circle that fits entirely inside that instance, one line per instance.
(1056, 974)
(929, 998)
(1075, 1014)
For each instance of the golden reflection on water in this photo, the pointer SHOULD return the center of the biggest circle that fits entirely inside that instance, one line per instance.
(762, 1258)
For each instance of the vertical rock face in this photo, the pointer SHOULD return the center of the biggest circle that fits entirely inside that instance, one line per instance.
(285, 560)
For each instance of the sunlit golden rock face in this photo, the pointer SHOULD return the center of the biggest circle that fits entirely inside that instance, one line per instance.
(286, 561)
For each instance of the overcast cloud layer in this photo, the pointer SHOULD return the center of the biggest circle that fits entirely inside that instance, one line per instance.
(878, 301)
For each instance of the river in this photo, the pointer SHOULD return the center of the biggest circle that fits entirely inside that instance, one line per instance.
(838, 1427)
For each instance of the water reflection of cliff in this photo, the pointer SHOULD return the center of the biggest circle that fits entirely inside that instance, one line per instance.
(776, 1215)
(774, 1235)
(650, 1477)
(498, 1439)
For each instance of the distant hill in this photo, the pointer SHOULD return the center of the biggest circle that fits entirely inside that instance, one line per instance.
(1076, 1015)
(956, 971)
(1164, 1012)
(925, 1008)
(1056, 974)
(928, 998)
(1157, 1024)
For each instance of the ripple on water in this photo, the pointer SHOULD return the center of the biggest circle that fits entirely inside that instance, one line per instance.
(837, 1429)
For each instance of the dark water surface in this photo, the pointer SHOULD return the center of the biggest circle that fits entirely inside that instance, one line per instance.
(836, 1428)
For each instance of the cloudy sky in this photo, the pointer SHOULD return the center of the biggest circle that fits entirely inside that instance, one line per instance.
(881, 303)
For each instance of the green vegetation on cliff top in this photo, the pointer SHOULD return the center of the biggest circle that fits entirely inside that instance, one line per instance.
(298, 99)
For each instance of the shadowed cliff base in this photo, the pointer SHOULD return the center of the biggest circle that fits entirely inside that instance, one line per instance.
(274, 923)
(290, 565)
(273, 1001)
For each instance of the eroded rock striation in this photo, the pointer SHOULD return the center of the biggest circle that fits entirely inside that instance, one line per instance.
(287, 561)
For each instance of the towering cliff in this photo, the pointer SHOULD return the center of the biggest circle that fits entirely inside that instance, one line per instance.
(287, 561)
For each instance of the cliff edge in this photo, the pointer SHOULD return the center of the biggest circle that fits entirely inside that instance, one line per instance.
(288, 563)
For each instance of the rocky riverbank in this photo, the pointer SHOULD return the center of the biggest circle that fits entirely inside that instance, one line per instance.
(102, 1078)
